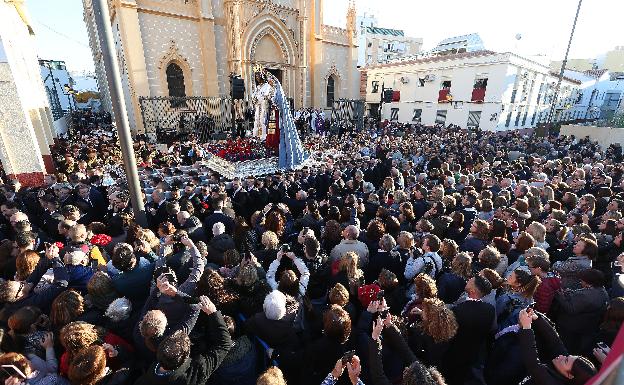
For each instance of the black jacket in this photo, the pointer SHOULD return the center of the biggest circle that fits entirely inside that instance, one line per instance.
(197, 368)
(215, 218)
(279, 334)
(476, 323)
(218, 246)
(394, 341)
(195, 230)
(579, 313)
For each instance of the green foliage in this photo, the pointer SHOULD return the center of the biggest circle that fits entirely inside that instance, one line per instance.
(84, 97)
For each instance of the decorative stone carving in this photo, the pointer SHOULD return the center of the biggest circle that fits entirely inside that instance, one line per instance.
(173, 54)
(333, 70)
(269, 31)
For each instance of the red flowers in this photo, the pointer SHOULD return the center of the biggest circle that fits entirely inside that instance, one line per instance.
(59, 245)
(241, 149)
(100, 240)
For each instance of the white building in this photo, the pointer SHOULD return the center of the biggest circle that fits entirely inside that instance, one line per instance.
(485, 89)
(26, 125)
(57, 82)
(85, 81)
(459, 44)
(381, 45)
(602, 93)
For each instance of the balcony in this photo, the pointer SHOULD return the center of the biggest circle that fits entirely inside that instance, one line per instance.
(443, 95)
(478, 95)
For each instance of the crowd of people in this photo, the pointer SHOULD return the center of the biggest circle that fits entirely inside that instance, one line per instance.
(409, 255)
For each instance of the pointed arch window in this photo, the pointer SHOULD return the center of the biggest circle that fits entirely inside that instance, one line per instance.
(175, 84)
(330, 91)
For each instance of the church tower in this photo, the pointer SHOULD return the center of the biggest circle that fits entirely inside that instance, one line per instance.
(352, 21)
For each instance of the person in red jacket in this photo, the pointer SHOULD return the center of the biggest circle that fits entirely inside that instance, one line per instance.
(550, 284)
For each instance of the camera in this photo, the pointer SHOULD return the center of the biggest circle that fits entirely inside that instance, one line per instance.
(176, 237)
(380, 295)
(285, 248)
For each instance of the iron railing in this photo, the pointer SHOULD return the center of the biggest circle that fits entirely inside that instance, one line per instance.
(171, 118)
(348, 113)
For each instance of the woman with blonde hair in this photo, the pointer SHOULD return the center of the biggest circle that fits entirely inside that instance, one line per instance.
(430, 338)
(348, 274)
(424, 287)
(272, 376)
(270, 241)
(547, 193)
(538, 231)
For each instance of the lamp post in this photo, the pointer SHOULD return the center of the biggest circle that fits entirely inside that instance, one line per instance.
(70, 92)
(109, 55)
(563, 68)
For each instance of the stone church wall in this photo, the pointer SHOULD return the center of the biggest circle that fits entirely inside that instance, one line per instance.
(170, 39)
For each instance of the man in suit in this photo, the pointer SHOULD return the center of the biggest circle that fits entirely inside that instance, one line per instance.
(91, 202)
(218, 216)
(477, 322)
(192, 225)
(189, 195)
(158, 211)
(240, 199)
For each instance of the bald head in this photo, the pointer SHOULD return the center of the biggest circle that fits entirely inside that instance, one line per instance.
(351, 232)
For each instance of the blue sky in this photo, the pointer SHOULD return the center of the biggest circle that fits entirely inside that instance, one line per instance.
(543, 24)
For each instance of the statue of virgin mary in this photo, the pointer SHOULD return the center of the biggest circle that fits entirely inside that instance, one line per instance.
(267, 97)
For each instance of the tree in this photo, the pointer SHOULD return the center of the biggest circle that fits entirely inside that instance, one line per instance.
(83, 97)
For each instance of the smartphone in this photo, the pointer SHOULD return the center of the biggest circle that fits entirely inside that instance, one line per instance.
(347, 357)
(12, 371)
(380, 295)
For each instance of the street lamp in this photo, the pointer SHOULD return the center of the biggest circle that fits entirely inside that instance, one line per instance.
(71, 94)
(113, 76)
(563, 67)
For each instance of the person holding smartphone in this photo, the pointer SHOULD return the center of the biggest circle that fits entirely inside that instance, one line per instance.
(19, 370)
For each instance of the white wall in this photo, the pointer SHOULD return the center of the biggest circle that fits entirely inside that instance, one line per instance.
(503, 71)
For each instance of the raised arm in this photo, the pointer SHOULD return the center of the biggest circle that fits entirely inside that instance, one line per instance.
(270, 275)
(304, 275)
(219, 337)
(197, 270)
(528, 350)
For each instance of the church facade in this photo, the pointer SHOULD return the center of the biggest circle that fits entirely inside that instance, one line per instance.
(190, 48)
